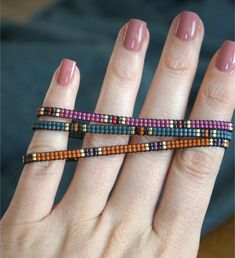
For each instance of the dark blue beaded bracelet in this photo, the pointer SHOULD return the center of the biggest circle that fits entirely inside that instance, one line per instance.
(78, 130)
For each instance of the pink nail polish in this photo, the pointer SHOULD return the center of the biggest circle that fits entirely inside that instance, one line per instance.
(188, 26)
(135, 34)
(225, 60)
(66, 72)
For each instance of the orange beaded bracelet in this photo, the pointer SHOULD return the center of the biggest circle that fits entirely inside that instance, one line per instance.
(72, 155)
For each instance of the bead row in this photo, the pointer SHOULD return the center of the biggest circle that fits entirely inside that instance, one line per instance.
(130, 121)
(77, 130)
(73, 155)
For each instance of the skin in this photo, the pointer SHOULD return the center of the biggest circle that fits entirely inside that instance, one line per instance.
(88, 221)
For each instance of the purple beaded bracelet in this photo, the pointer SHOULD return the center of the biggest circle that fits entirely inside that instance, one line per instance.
(130, 121)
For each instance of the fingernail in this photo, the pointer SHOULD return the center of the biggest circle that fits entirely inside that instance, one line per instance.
(187, 27)
(135, 34)
(225, 60)
(66, 72)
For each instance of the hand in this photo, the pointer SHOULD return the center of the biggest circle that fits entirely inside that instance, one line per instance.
(91, 222)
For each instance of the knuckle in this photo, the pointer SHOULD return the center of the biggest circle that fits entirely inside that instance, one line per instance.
(118, 234)
(41, 144)
(199, 164)
(76, 230)
(178, 65)
(119, 237)
(218, 95)
(123, 70)
(121, 73)
(20, 237)
(160, 243)
(40, 167)
(119, 231)
(168, 243)
(25, 239)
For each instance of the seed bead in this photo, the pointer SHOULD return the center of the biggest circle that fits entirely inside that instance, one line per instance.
(72, 155)
(105, 118)
(78, 130)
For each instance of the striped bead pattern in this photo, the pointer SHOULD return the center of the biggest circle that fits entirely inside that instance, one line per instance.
(78, 130)
(130, 121)
(73, 155)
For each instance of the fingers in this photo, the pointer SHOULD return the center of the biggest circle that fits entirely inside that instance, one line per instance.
(193, 171)
(94, 178)
(38, 183)
(143, 174)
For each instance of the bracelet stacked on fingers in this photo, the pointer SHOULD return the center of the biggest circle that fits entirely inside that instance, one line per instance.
(78, 130)
(205, 133)
(131, 121)
(73, 155)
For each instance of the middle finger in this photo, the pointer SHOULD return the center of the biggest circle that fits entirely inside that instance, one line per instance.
(94, 178)
(143, 174)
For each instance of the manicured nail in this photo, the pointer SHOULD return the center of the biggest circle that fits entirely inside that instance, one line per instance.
(225, 60)
(187, 27)
(135, 34)
(66, 72)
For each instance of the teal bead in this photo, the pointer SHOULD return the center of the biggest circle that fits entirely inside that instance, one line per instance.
(127, 130)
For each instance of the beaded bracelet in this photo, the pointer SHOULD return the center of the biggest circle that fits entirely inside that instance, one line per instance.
(211, 133)
(73, 155)
(78, 130)
(130, 121)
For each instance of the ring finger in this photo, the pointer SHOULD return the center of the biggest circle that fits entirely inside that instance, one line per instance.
(193, 171)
